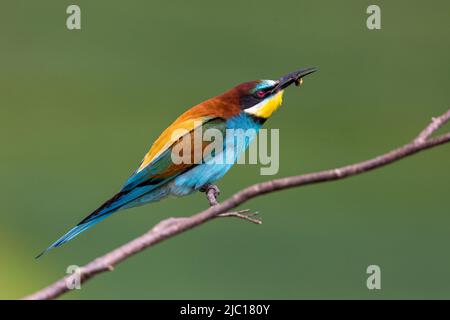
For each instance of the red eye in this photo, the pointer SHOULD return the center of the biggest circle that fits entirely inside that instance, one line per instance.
(260, 93)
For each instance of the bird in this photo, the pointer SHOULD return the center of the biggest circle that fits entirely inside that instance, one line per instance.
(246, 106)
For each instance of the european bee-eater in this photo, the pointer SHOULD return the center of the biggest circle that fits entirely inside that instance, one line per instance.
(246, 106)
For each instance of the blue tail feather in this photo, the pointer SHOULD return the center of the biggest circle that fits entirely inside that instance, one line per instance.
(72, 233)
(121, 200)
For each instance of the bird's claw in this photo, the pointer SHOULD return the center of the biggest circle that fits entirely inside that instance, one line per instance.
(208, 187)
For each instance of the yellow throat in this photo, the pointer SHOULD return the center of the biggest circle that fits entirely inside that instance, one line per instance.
(265, 108)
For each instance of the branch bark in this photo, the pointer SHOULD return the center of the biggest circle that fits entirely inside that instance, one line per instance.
(173, 226)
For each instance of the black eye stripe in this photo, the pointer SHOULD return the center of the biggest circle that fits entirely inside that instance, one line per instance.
(249, 101)
(260, 93)
(252, 98)
(266, 91)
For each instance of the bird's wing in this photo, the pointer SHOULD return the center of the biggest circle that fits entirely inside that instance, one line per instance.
(158, 166)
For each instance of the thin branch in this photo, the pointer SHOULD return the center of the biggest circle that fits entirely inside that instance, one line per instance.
(173, 226)
(245, 214)
(435, 124)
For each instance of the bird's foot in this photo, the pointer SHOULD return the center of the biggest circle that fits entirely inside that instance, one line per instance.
(210, 187)
(245, 214)
(212, 192)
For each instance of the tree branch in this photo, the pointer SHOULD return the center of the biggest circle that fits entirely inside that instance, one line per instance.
(173, 226)
(435, 124)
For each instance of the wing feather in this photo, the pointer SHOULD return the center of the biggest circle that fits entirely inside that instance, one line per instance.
(157, 164)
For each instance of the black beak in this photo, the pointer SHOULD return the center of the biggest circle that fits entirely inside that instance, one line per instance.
(293, 77)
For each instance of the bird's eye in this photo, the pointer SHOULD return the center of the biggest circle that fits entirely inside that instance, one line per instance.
(260, 94)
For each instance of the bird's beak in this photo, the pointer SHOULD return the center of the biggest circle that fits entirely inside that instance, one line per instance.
(293, 77)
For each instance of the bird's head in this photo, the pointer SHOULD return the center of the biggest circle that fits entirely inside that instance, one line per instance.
(261, 98)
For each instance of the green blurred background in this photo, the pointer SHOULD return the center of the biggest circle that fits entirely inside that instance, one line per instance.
(79, 109)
